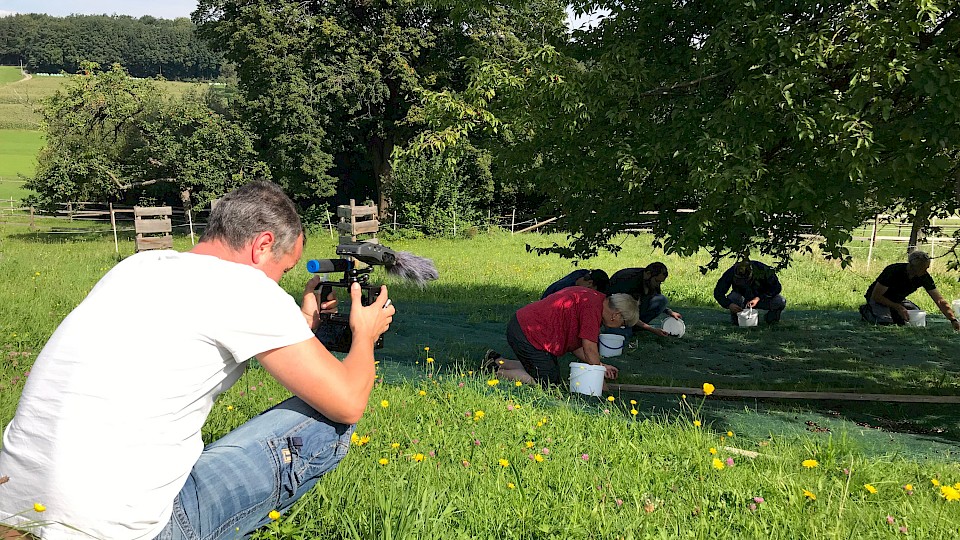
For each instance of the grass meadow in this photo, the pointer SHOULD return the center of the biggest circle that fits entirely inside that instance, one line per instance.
(445, 452)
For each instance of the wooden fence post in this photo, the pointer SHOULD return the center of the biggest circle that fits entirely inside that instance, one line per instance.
(513, 219)
(873, 239)
(113, 223)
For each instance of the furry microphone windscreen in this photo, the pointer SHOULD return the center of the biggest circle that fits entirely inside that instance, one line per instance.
(414, 268)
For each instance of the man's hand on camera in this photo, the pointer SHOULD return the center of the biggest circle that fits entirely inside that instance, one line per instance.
(310, 308)
(369, 322)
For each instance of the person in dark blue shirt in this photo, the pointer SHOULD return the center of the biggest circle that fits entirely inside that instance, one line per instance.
(754, 285)
(593, 279)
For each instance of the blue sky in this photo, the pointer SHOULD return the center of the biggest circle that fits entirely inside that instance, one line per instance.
(167, 9)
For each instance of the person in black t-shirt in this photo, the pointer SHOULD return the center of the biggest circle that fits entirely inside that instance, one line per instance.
(887, 296)
(644, 285)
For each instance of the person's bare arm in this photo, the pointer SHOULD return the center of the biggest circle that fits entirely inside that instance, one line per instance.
(878, 297)
(945, 308)
(338, 390)
(589, 352)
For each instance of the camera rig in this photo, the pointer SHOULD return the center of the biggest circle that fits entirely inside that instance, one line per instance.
(334, 330)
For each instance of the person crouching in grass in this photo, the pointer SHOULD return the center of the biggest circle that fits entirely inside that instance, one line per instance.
(567, 321)
(107, 433)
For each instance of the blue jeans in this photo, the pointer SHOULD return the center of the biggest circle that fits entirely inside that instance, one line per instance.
(266, 464)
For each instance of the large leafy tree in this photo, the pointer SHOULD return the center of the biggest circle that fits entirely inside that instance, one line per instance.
(113, 138)
(331, 87)
(772, 121)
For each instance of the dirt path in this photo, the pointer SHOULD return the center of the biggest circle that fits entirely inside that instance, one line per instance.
(26, 77)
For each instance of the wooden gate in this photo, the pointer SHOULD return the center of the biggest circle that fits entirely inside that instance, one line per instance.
(153, 226)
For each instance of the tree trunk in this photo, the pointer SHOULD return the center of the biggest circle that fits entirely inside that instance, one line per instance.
(380, 150)
(921, 218)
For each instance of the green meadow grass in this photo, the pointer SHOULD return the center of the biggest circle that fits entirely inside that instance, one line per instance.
(607, 472)
(9, 74)
(18, 154)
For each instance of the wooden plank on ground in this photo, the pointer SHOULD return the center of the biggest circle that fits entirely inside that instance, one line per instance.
(777, 394)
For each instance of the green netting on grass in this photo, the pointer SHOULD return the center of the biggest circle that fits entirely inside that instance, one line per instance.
(808, 350)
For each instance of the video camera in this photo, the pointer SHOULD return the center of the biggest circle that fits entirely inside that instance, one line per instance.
(334, 329)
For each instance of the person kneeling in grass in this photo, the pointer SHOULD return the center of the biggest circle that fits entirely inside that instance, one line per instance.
(567, 321)
(107, 434)
(887, 296)
(591, 279)
(644, 285)
(754, 286)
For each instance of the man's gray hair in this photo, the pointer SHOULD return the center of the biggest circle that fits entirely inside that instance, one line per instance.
(918, 258)
(251, 209)
(628, 307)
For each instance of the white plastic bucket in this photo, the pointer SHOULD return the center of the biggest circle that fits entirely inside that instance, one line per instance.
(586, 378)
(610, 345)
(674, 327)
(956, 307)
(748, 317)
(917, 317)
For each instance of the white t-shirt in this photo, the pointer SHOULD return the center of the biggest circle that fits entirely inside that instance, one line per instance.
(108, 425)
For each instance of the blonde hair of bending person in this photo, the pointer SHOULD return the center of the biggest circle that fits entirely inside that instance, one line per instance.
(628, 307)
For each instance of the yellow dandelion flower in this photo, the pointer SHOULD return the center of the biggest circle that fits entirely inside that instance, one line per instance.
(956, 486)
(418, 457)
(870, 488)
(538, 458)
(810, 463)
(229, 407)
(478, 415)
(633, 402)
(683, 396)
(935, 482)
(384, 404)
(518, 383)
(713, 451)
(429, 360)
(634, 412)
(363, 440)
(395, 445)
(809, 494)
(38, 507)
(470, 372)
(511, 485)
(529, 444)
(708, 388)
(504, 463)
(717, 464)
(611, 399)
(950, 493)
(697, 423)
(493, 382)
(422, 392)
(908, 487)
(539, 424)
(729, 434)
(383, 461)
(354, 438)
(274, 515)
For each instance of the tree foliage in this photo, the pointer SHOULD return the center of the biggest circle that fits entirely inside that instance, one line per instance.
(331, 88)
(772, 121)
(113, 138)
(147, 46)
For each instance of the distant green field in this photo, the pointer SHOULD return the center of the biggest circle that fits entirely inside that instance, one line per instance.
(18, 154)
(19, 100)
(9, 74)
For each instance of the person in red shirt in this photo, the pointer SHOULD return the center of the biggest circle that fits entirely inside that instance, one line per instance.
(567, 321)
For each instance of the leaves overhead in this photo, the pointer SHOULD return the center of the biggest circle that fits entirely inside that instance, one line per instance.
(747, 126)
